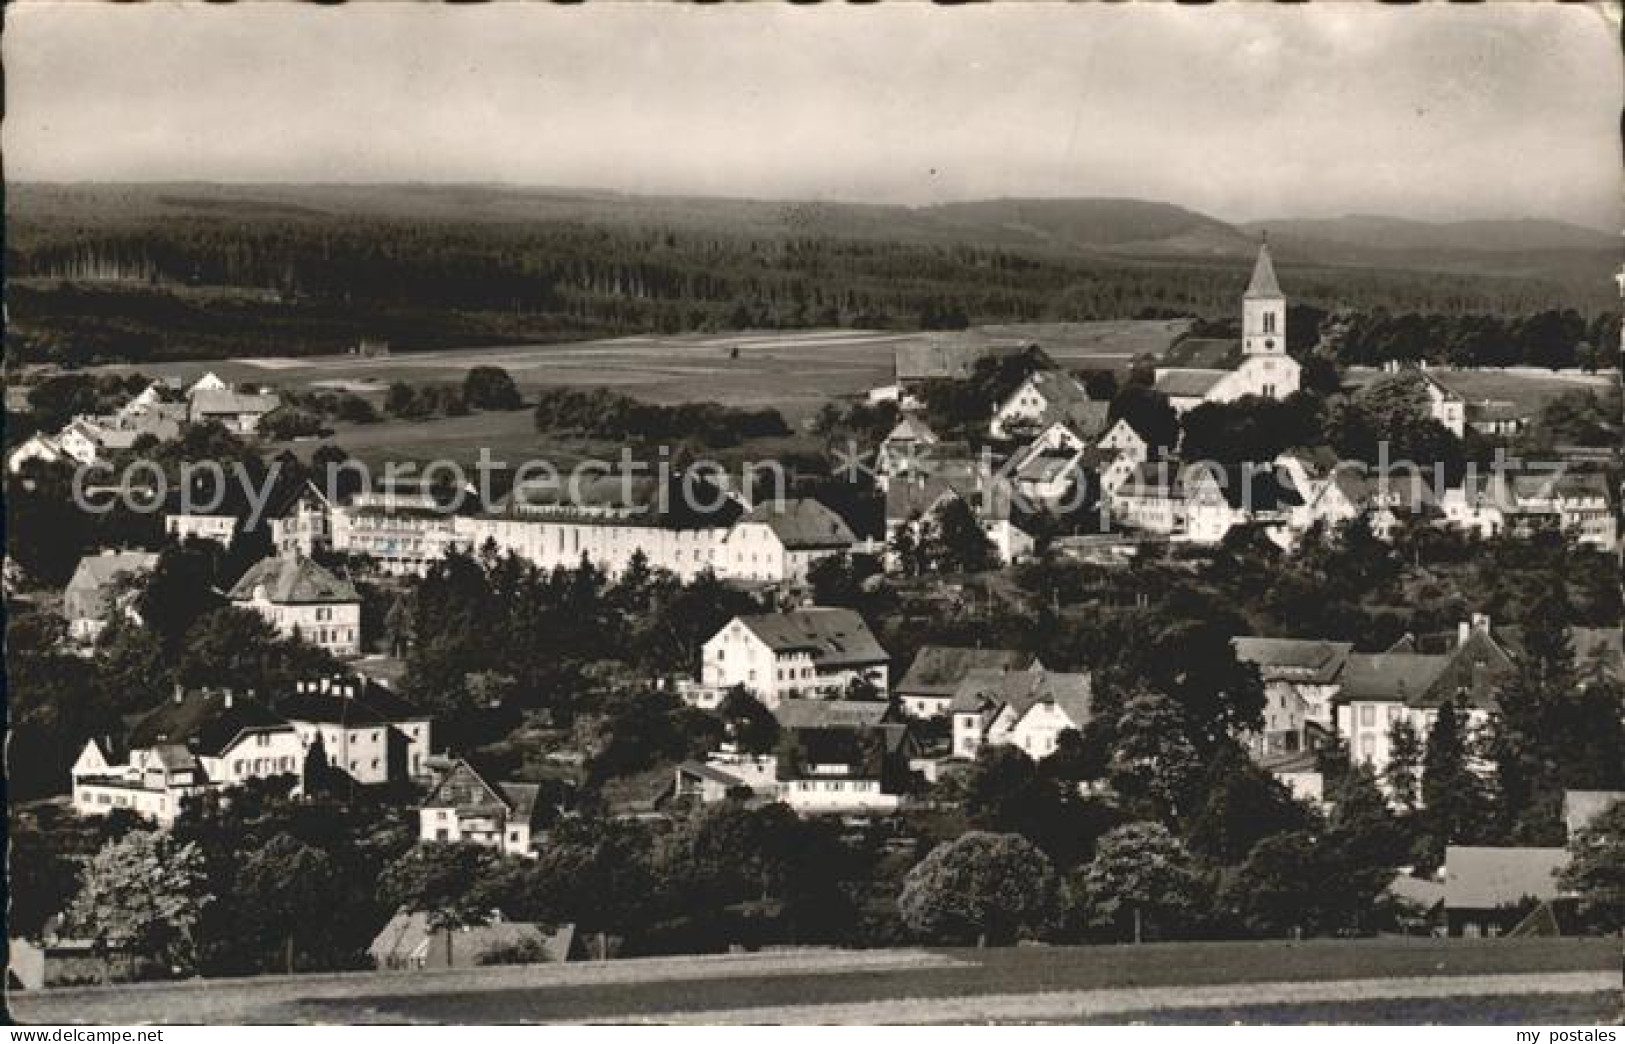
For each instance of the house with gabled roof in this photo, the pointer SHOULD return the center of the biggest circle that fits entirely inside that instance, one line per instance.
(804, 653)
(928, 688)
(200, 741)
(1489, 892)
(297, 595)
(913, 500)
(1025, 709)
(409, 943)
(463, 807)
(904, 449)
(91, 596)
(1046, 398)
(1302, 677)
(238, 412)
(1381, 689)
(779, 540)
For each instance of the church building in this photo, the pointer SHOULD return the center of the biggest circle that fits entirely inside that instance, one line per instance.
(1265, 370)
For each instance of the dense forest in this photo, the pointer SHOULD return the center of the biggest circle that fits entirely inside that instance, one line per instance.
(245, 278)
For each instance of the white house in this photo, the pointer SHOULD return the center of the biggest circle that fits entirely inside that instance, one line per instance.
(45, 448)
(1302, 680)
(904, 450)
(1026, 709)
(366, 732)
(1045, 398)
(298, 596)
(199, 741)
(778, 541)
(1445, 405)
(1150, 499)
(803, 653)
(1266, 370)
(1380, 689)
(88, 601)
(463, 808)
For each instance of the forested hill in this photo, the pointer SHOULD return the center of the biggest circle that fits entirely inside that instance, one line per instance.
(103, 272)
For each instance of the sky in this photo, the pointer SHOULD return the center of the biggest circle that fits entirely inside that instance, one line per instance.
(1243, 111)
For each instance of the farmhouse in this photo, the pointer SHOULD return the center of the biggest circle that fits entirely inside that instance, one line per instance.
(238, 412)
(805, 653)
(1488, 892)
(1266, 370)
(297, 596)
(90, 596)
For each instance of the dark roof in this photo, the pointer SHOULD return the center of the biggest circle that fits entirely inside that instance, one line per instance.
(347, 701)
(1255, 491)
(802, 524)
(1066, 400)
(203, 721)
(1486, 878)
(293, 579)
(1188, 383)
(1391, 677)
(834, 637)
(462, 786)
(938, 670)
(1307, 660)
(1263, 282)
(1020, 690)
(1204, 353)
(989, 496)
(831, 714)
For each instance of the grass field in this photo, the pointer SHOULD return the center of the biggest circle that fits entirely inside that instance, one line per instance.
(1531, 389)
(1403, 980)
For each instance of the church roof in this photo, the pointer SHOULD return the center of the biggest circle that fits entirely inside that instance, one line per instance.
(1263, 283)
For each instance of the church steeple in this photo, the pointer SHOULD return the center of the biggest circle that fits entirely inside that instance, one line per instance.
(1263, 309)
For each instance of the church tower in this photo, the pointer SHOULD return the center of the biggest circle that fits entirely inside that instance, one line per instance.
(1263, 310)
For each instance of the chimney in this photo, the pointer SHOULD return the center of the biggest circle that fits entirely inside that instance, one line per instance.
(1463, 630)
(180, 693)
(226, 694)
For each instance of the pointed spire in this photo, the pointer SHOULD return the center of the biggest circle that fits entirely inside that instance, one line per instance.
(1263, 283)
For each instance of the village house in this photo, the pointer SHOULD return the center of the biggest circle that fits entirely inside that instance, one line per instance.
(1152, 500)
(1216, 503)
(834, 756)
(1265, 370)
(778, 541)
(408, 943)
(1046, 398)
(1302, 681)
(905, 450)
(1381, 689)
(299, 597)
(804, 653)
(94, 440)
(1495, 503)
(1496, 418)
(928, 688)
(44, 448)
(201, 741)
(1491, 892)
(913, 502)
(365, 732)
(240, 413)
(90, 598)
(1445, 404)
(1024, 709)
(463, 808)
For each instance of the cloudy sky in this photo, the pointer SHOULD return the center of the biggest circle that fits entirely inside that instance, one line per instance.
(1243, 111)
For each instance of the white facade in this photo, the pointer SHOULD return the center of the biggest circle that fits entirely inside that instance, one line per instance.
(220, 528)
(334, 626)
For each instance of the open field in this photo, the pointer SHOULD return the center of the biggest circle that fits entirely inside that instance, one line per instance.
(793, 370)
(1530, 388)
(1383, 979)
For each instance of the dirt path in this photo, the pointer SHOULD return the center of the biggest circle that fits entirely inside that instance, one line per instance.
(1077, 1004)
